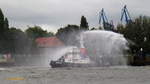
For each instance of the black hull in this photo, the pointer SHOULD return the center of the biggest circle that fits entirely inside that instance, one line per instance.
(55, 64)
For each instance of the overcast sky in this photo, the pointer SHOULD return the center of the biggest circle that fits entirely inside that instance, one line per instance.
(53, 14)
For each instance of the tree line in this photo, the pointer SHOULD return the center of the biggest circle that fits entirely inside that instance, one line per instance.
(14, 40)
(137, 33)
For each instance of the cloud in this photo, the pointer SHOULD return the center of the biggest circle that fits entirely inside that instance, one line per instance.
(56, 13)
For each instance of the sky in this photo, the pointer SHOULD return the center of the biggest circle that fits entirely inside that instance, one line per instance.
(54, 14)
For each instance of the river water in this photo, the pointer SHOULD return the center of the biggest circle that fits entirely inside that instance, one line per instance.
(91, 75)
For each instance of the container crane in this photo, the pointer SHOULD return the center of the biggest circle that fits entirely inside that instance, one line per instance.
(103, 19)
(125, 15)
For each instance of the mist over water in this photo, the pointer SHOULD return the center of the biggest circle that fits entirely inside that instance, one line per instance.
(45, 56)
(52, 54)
(105, 47)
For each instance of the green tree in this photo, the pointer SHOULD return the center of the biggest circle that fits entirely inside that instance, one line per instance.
(6, 24)
(4, 47)
(69, 34)
(18, 41)
(3, 23)
(120, 28)
(84, 24)
(1, 20)
(37, 31)
(138, 31)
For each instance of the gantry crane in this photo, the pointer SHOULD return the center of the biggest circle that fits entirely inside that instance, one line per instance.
(103, 19)
(125, 14)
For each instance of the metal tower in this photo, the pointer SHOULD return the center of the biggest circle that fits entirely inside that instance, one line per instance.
(103, 19)
(125, 14)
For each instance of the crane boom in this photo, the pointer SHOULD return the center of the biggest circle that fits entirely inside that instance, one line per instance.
(103, 19)
(125, 14)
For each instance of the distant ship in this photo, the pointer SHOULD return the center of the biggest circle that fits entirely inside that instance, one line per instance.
(75, 57)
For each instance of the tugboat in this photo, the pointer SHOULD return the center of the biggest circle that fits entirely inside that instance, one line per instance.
(75, 57)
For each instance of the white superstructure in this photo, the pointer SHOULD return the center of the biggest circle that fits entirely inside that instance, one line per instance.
(74, 56)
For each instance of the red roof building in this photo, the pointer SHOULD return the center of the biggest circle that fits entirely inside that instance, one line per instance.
(48, 42)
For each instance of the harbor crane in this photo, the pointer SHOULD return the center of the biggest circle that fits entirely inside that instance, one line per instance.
(125, 15)
(103, 19)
